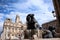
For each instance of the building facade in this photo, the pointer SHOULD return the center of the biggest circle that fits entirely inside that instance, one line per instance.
(12, 30)
(51, 23)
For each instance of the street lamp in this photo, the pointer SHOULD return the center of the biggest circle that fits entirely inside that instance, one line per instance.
(53, 12)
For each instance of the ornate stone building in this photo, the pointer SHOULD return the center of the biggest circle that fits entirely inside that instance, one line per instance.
(12, 30)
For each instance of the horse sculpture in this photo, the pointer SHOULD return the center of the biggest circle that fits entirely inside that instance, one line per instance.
(32, 25)
(49, 33)
(31, 21)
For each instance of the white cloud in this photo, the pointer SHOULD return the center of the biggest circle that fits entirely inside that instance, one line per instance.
(41, 18)
(1, 24)
(38, 3)
(1, 15)
(1, 21)
(42, 15)
(12, 15)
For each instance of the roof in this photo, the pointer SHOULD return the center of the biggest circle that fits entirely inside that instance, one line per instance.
(49, 22)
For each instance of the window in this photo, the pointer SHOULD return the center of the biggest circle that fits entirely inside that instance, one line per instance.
(5, 27)
(8, 35)
(15, 28)
(9, 28)
(12, 29)
(16, 35)
(21, 27)
(12, 34)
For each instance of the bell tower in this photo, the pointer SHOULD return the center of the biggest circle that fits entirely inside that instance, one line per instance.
(17, 20)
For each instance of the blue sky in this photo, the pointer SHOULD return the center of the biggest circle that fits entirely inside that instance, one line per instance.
(41, 8)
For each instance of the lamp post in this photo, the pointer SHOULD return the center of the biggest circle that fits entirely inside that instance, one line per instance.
(53, 12)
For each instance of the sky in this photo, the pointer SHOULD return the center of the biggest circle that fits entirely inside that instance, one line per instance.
(42, 9)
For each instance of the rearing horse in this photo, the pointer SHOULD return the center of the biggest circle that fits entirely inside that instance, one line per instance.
(31, 22)
(32, 25)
